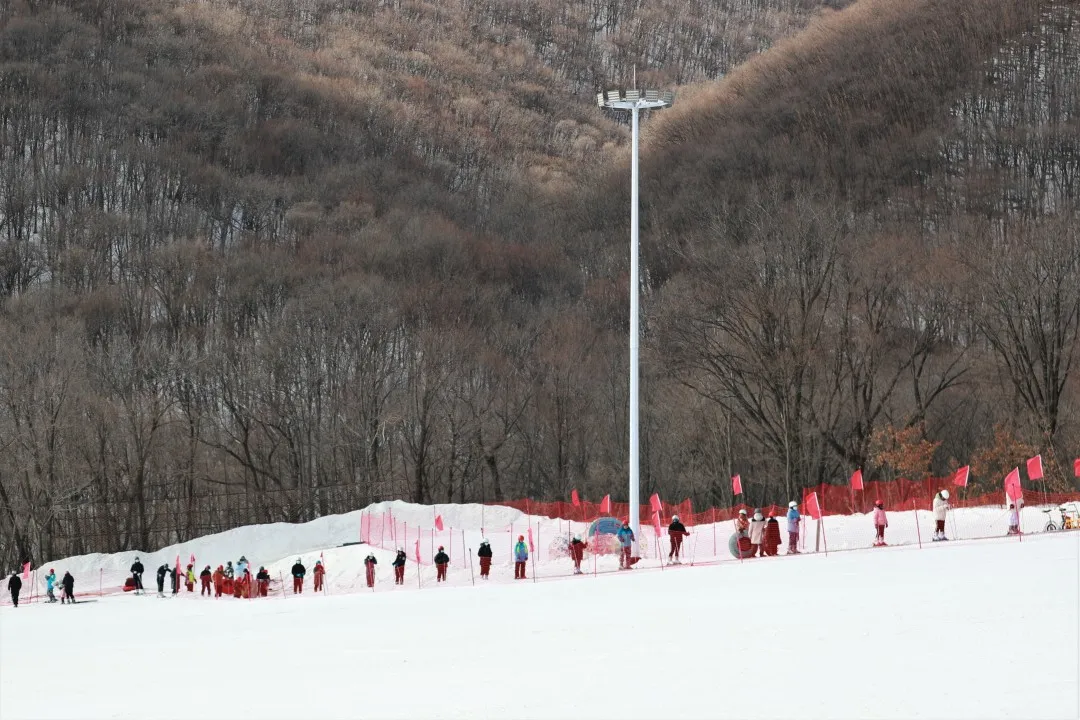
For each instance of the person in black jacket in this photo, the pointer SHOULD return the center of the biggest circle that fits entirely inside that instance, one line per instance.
(484, 553)
(174, 578)
(161, 573)
(136, 575)
(369, 564)
(441, 561)
(262, 582)
(68, 583)
(298, 572)
(399, 567)
(676, 533)
(14, 584)
(204, 579)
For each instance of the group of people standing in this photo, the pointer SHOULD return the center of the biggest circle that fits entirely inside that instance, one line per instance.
(67, 587)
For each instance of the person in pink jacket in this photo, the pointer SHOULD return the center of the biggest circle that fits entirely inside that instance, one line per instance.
(880, 523)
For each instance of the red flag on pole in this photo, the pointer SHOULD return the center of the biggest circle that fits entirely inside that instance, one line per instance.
(1012, 485)
(530, 539)
(736, 485)
(1076, 467)
(574, 498)
(654, 503)
(438, 523)
(656, 523)
(605, 504)
(960, 479)
(1034, 468)
(417, 550)
(813, 508)
(26, 571)
(192, 559)
(856, 480)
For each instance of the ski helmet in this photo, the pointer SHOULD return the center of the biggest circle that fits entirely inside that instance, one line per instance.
(743, 511)
(674, 518)
(878, 503)
(945, 494)
(578, 538)
(484, 542)
(401, 550)
(793, 504)
(440, 548)
(521, 538)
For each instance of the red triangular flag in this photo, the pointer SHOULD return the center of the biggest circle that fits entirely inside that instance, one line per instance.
(856, 480)
(654, 503)
(656, 524)
(417, 551)
(438, 523)
(1076, 467)
(1012, 485)
(736, 485)
(813, 508)
(26, 571)
(191, 560)
(530, 539)
(960, 479)
(574, 497)
(605, 504)
(1034, 468)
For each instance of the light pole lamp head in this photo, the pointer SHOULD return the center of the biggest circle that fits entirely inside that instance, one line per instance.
(635, 99)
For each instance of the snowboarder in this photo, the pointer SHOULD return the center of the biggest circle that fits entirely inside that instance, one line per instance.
(205, 577)
(174, 579)
(484, 553)
(793, 520)
(441, 561)
(136, 575)
(757, 534)
(189, 579)
(880, 523)
(941, 510)
(399, 567)
(317, 574)
(626, 540)
(14, 585)
(676, 532)
(1014, 520)
(521, 557)
(50, 585)
(219, 581)
(68, 584)
(298, 572)
(577, 553)
(369, 565)
(772, 535)
(161, 573)
(262, 580)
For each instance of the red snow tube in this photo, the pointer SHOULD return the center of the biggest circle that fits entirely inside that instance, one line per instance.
(739, 546)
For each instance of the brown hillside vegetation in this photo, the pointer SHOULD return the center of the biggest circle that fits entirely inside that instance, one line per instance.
(263, 260)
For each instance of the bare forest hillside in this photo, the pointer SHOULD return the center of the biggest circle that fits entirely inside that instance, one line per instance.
(262, 260)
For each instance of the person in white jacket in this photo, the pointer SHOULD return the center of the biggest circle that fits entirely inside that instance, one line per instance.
(941, 509)
(757, 534)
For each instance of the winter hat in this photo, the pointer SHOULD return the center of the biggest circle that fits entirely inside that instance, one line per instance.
(878, 503)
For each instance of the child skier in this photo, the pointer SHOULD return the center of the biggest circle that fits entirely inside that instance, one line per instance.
(262, 581)
(1014, 520)
(161, 573)
(484, 553)
(521, 557)
(626, 540)
(772, 535)
(318, 573)
(189, 579)
(577, 553)
(50, 583)
(742, 524)
(369, 564)
(676, 532)
(219, 581)
(68, 584)
(793, 520)
(757, 534)
(441, 561)
(399, 567)
(298, 572)
(880, 523)
(205, 577)
(941, 511)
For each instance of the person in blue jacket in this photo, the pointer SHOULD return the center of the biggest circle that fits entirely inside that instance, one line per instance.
(521, 557)
(793, 520)
(626, 540)
(50, 584)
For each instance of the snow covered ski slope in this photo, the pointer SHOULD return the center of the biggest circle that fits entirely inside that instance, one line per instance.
(969, 629)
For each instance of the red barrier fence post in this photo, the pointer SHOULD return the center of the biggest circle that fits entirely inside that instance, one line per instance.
(918, 532)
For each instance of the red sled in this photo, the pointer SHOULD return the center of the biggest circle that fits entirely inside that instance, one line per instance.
(129, 584)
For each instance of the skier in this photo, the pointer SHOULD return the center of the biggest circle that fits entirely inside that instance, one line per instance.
(174, 579)
(318, 573)
(205, 577)
(14, 585)
(219, 581)
(484, 553)
(521, 557)
(772, 535)
(757, 534)
(298, 572)
(136, 575)
(189, 579)
(793, 520)
(941, 510)
(50, 584)
(742, 523)
(161, 573)
(676, 531)
(68, 583)
(441, 561)
(262, 580)
(399, 567)
(880, 523)
(577, 553)
(626, 540)
(369, 565)
(1014, 520)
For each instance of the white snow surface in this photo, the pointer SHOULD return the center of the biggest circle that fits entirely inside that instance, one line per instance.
(964, 629)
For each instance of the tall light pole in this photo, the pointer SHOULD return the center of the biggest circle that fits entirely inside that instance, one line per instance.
(635, 101)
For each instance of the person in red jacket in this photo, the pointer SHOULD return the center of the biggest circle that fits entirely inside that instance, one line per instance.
(772, 535)
(318, 572)
(369, 565)
(577, 553)
(262, 581)
(205, 577)
(219, 581)
(442, 560)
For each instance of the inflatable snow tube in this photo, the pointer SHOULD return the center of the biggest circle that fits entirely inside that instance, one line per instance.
(739, 546)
